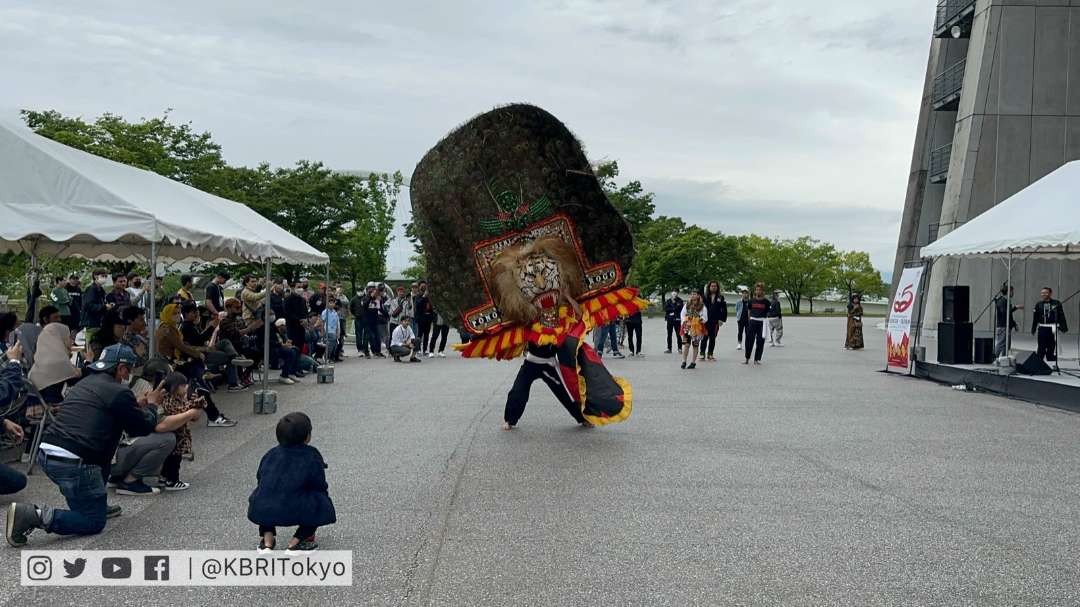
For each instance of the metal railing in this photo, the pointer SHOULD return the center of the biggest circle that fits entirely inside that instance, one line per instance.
(949, 11)
(939, 163)
(947, 86)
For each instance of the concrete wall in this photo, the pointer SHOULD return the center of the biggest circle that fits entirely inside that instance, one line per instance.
(1018, 120)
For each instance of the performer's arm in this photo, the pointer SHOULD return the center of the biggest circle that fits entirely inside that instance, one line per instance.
(1062, 323)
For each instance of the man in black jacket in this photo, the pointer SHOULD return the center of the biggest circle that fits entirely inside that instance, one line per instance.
(296, 312)
(93, 304)
(356, 308)
(1047, 319)
(672, 314)
(78, 446)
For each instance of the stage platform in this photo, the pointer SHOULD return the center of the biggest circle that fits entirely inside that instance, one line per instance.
(1061, 390)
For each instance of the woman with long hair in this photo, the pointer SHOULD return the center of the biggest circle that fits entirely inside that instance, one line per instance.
(854, 339)
(758, 314)
(716, 308)
(694, 316)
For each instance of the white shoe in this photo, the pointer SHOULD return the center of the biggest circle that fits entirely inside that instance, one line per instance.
(442, 355)
(431, 355)
(738, 347)
(285, 380)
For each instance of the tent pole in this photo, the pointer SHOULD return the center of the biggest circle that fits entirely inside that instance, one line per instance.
(1008, 307)
(152, 321)
(266, 330)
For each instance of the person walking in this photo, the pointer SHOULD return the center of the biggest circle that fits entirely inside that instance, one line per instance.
(757, 311)
(776, 321)
(716, 306)
(741, 316)
(633, 333)
(672, 313)
(693, 318)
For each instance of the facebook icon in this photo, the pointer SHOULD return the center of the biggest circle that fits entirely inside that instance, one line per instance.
(156, 568)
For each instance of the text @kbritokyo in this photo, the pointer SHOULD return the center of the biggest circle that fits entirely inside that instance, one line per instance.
(185, 568)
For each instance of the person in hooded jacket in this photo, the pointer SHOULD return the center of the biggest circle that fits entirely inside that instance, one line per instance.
(673, 315)
(717, 309)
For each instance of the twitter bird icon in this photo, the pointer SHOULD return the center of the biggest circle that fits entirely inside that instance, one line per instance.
(74, 569)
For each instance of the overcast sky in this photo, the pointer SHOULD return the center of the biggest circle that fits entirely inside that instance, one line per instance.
(778, 117)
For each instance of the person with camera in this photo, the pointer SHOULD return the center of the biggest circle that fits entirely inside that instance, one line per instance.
(77, 447)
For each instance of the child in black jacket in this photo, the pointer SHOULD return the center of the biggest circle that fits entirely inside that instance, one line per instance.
(292, 488)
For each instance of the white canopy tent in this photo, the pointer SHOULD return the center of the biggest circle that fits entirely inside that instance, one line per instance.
(1042, 220)
(59, 201)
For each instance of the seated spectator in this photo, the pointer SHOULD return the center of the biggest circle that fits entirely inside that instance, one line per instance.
(29, 333)
(284, 353)
(134, 335)
(113, 327)
(118, 298)
(314, 334)
(52, 370)
(159, 453)
(253, 298)
(11, 384)
(78, 445)
(403, 341)
(244, 336)
(8, 322)
(218, 352)
(188, 360)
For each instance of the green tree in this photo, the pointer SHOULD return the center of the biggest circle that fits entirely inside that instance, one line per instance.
(802, 268)
(674, 256)
(635, 204)
(854, 273)
(348, 217)
(417, 269)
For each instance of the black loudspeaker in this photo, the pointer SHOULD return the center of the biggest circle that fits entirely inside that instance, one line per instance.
(984, 350)
(954, 341)
(1029, 364)
(955, 304)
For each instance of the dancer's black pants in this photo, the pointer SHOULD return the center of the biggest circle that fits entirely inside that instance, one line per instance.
(709, 344)
(755, 336)
(1047, 344)
(633, 336)
(742, 329)
(674, 326)
(519, 394)
(423, 334)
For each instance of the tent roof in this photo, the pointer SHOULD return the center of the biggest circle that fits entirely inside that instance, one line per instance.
(58, 200)
(1043, 219)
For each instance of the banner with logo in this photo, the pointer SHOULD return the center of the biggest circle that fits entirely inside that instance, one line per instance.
(898, 333)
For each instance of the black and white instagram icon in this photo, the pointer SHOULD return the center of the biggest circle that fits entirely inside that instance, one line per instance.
(39, 568)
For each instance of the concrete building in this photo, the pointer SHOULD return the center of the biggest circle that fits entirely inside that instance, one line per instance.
(1000, 109)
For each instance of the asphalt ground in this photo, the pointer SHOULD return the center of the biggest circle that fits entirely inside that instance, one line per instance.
(813, 479)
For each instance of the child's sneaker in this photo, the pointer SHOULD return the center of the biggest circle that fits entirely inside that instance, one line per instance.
(264, 549)
(307, 545)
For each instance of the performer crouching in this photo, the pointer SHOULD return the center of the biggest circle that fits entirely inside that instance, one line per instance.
(1047, 320)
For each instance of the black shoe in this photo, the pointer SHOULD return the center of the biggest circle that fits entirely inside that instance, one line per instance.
(397, 359)
(683, 365)
(692, 366)
(667, 351)
(21, 520)
(136, 488)
(264, 549)
(113, 511)
(307, 545)
(114, 482)
(414, 360)
(380, 355)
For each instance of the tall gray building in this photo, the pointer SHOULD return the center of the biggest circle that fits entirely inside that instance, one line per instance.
(1000, 109)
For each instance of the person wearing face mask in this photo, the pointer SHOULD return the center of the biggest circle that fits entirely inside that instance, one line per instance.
(93, 304)
(77, 448)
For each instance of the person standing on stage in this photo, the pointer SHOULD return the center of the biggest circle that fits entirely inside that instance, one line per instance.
(716, 306)
(741, 316)
(776, 321)
(757, 310)
(1048, 318)
(1001, 325)
(672, 313)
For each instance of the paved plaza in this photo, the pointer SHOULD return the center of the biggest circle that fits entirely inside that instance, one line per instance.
(812, 480)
